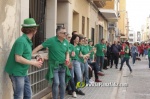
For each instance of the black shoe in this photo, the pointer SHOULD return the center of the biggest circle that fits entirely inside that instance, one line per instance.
(111, 66)
(80, 92)
(120, 69)
(116, 67)
(69, 92)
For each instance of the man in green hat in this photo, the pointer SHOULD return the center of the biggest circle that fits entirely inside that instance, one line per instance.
(19, 61)
(58, 58)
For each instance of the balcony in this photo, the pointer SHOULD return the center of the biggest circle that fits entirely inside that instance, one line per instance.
(99, 3)
(109, 14)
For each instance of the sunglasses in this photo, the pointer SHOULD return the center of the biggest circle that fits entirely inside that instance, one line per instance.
(63, 33)
(69, 37)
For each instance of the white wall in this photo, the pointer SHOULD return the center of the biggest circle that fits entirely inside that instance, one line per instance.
(65, 15)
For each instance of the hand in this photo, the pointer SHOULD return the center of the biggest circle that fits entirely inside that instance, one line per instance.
(73, 54)
(37, 63)
(67, 62)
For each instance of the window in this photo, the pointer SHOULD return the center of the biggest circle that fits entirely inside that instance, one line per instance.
(37, 76)
(92, 35)
(131, 40)
(37, 11)
(131, 35)
(87, 27)
(83, 24)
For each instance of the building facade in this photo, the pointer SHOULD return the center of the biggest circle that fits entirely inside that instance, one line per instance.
(145, 30)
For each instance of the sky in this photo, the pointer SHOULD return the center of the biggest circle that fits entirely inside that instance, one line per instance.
(138, 11)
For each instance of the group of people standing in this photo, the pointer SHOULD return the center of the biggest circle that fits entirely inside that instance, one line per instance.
(71, 58)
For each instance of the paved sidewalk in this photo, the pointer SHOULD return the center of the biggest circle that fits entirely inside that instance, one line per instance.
(111, 75)
(138, 82)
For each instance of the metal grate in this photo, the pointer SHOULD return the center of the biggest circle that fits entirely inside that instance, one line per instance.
(37, 11)
(37, 79)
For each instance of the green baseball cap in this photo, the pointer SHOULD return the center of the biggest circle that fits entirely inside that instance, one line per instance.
(29, 22)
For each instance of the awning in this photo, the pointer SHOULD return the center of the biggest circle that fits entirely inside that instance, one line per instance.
(109, 14)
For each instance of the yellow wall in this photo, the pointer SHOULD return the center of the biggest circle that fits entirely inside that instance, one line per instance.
(82, 7)
(109, 4)
(122, 20)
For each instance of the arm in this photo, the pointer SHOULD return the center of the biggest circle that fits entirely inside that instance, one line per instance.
(67, 56)
(127, 51)
(37, 49)
(22, 60)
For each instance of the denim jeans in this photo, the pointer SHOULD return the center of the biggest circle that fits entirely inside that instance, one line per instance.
(21, 87)
(85, 71)
(127, 63)
(99, 60)
(133, 57)
(77, 71)
(59, 81)
(149, 61)
(71, 85)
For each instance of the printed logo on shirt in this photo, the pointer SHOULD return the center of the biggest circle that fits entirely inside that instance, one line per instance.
(78, 49)
(65, 44)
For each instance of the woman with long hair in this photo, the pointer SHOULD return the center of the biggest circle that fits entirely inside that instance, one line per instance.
(76, 61)
(126, 57)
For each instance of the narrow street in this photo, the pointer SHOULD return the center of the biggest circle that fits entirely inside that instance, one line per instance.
(138, 84)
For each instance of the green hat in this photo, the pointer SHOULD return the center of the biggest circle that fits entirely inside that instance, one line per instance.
(29, 22)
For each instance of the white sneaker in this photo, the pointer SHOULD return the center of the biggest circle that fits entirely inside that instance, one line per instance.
(74, 94)
(91, 81)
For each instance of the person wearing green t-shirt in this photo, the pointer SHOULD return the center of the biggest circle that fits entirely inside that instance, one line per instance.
(91, 48)
(71, 85)
(58, 60)
(84, 56)
(76, 62)
(19, 61)
(126, 57)
(100, 54)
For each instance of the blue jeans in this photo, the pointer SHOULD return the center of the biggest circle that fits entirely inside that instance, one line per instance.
(85, 71)
(127, 63)
(77, 71)
(133, 57)
(149, 61)
(71, 85)
(59, 80)
(99, 60)
(21, 87)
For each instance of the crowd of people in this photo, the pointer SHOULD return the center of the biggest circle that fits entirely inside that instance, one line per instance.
(71, 59)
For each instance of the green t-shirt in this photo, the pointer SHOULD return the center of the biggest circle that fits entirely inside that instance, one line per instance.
(71, 49)
(57, 49)
(148, 52)
(21, 47)
(127, 54)
(99, 49)
(84, 50)
(92, 53)
(77, 53)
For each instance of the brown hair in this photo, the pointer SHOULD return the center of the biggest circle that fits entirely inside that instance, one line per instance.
(28, 30)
